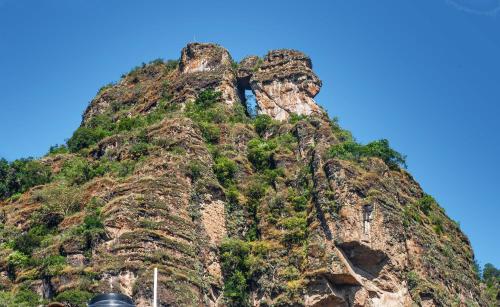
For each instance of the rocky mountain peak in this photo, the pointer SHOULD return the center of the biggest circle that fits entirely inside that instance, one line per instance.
(170, 171)
(283, 82)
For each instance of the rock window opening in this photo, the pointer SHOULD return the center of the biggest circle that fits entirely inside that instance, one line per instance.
(251, 103)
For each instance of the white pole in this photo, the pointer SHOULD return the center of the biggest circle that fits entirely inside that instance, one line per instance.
(155, 288)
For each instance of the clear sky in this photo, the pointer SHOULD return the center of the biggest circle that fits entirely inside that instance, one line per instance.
(424, 74)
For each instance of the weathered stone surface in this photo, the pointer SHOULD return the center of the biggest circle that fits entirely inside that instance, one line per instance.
(205, 66)
(284, 83)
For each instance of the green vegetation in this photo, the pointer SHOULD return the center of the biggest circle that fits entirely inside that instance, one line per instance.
(234, 260)
(195, 170)
(225, 169)
(52, 265)
(258, 64)
(171, 64)
(139, 149)
(263, 123)
(84, 137)
(79, 170)
(425, 209)
(57, 201)
(296, 227)
(260, 153)
(17, 260)
(20, 175)
(351, 150)
(208, 112)
(341, 134)
(92, 229)
(210, 132)
(426, 203)
(74, 297)
(21, 298)
(27, 242)
(58, 149)
(295, 118)
(491, 278)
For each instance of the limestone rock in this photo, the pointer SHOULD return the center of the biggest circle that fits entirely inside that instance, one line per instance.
(284, 83)
(205, 66)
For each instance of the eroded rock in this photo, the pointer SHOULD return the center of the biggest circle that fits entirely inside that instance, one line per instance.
(284, 83)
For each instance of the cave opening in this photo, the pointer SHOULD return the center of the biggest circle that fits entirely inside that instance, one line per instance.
(251, 103)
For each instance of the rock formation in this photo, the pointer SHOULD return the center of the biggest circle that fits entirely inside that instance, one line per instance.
(283, 83)
(168, 170)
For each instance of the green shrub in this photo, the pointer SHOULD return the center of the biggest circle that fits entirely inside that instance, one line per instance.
(58, 149)
(271, 175)
(80, 170)
(4, 175)
(27, 298)
(77, 171)
(234, 260)
(74, 297)
(225, 170)
(426, 203)
(139, 149)
(295, 118)
(27, 242)
(93, 221)
(52, 265)
(351, 150)
(346, 151)
(122, 168)
(105, 87)
(286, 142)
(17, 260)
(102, 121)
(57, 201)
(195, 170)
(341, 134)
(84, 137)
(295, 227)
(260, 153)
(490, 273)
(382, 150)
(208, 98)
(259, 63)
(263, 123)
(171, 64)
(299, 202)
(238, 114)
(206, 108)
(22, 174)
(130, 123)
(437, 223)
(162, 108)
(413, 280)
(210, 132)
(92, 228)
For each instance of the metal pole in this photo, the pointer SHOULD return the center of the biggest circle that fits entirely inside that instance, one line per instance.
(155, 288)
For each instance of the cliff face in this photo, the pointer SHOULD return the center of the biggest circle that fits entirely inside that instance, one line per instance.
(169, 171)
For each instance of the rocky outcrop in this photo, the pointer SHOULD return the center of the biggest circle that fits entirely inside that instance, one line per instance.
(232, 211)
(283, 83)
(204, 66)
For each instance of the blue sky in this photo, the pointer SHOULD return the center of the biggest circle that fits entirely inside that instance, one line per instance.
(423, 74)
